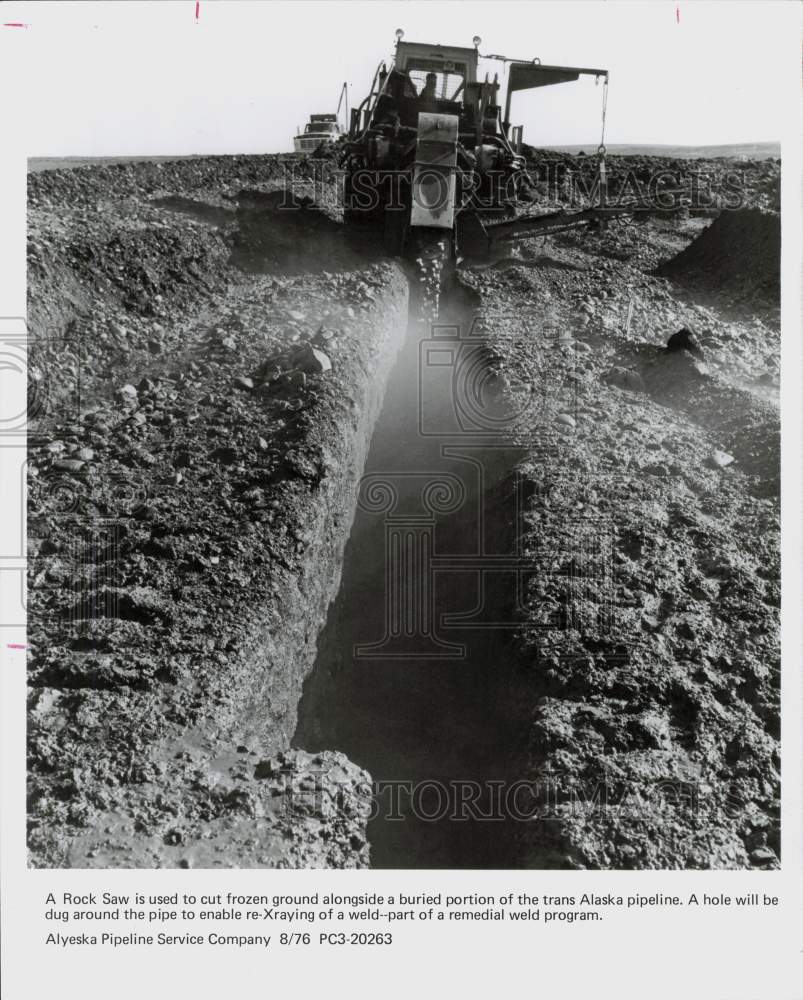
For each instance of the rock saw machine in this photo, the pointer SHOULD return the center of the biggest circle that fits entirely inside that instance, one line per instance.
(432, 157)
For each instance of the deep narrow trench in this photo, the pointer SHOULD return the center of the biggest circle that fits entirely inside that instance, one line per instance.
(420, 699)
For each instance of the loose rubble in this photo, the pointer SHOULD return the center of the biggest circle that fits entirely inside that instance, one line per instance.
(201, 405)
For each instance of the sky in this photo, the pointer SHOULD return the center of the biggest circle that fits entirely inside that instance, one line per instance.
(95, 78)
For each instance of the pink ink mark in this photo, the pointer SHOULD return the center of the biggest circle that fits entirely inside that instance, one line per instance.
(14, 24)
(197, 9)
(16, 645)
(677, 13)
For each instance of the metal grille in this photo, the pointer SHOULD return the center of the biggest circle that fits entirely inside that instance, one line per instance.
(446, 86)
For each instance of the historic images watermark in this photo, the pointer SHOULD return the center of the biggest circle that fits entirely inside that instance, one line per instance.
(79, 585)
(545, 180)
(521, 800)
(24, 397)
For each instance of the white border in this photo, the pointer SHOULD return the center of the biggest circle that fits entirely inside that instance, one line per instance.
(705, 955)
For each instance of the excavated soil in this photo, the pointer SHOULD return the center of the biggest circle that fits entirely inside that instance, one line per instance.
(648, 659)
(739, 255)
(194, 462)
(207, 373)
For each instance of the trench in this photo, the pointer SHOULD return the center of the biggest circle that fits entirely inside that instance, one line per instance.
(414, 677)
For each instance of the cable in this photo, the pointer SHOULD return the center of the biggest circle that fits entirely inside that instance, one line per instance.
(604, 111)
(603, 173)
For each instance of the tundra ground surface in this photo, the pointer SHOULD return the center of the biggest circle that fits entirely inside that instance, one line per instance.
(206, 375)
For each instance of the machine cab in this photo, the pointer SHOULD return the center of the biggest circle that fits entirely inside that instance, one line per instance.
(323, 124)
(453, 68)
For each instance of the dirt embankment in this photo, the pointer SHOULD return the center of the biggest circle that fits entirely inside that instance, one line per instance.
(190, 497)
(648, 658)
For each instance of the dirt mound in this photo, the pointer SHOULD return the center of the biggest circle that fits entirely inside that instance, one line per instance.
(739, 253)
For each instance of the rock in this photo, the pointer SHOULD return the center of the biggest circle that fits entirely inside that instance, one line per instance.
(763, 856)
(302, 465)
(155, 347)
(323, 335)
(128, 392)
(68, 465)
(84, 454)
(661, 471)
(624, 378)
(649, 730)
(565, 419)
(721, 459)
(99, 419)
(313, 361)
(297, 316)
(141, 604)
(262, 444)
(138, 455)
(242, 382)
(55, 447)
(254, 496)
(224, 455)
(684, 340)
